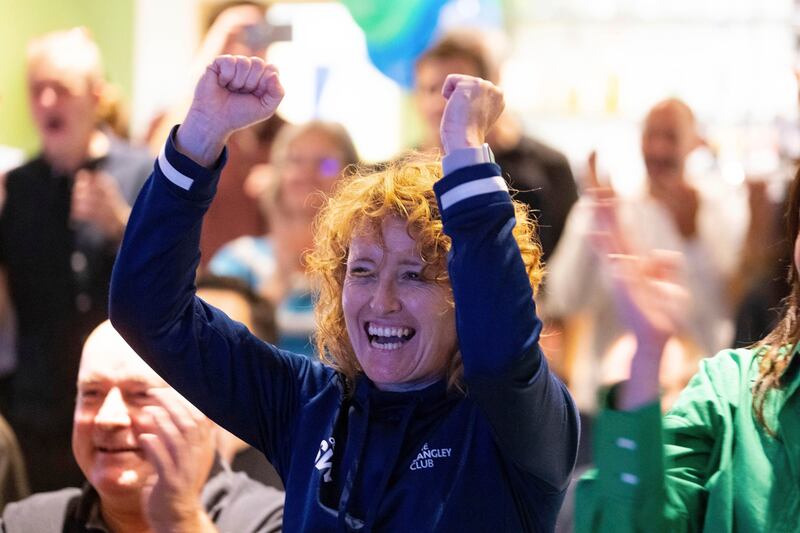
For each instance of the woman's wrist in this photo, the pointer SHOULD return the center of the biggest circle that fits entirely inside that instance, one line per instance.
(199, 140)
(466, 139)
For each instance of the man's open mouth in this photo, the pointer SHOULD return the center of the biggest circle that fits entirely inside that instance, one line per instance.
(54, 124)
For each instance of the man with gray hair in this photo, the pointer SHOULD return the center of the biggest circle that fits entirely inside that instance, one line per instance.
(63, 217)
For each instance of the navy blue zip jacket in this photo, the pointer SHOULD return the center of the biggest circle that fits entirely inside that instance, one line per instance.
(496, 459)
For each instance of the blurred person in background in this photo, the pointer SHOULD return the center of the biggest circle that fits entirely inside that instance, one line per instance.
(60, 226)
(725, 458)
(236, 28)
(307, 161)
(149, 459)
(540, 175)
(672, 214)
(233, 297)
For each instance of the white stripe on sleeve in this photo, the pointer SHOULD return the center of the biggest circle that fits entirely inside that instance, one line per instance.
(472, 188)
(172, 173)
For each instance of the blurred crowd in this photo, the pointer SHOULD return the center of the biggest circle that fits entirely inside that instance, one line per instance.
(69, 386)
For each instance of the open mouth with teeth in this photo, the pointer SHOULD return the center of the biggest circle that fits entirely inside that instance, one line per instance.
(388, 338)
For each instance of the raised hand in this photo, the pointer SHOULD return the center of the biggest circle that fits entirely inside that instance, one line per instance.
(649, 290)
(473, 106)
(179, 441)
(651, 299)
(233, 93)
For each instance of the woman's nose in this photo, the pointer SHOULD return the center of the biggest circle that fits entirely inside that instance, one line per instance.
(386, 298)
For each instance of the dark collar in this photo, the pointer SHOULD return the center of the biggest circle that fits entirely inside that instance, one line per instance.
(366, 393)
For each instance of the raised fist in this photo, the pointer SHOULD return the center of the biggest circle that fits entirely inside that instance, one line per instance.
(233, 93)
(237, 91)
(473, 106)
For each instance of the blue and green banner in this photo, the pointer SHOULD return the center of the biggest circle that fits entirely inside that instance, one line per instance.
(397, 31)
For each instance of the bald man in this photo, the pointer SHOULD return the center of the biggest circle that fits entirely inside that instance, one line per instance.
(671, 214)
(149, 458)
(668, 137)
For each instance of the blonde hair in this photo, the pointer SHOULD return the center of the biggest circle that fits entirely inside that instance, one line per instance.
(402, 189)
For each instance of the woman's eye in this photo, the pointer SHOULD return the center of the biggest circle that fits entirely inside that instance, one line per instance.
(414, 276)
(359, 271)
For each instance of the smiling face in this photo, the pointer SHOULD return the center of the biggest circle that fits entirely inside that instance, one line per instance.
(114, 386)
(401, 323)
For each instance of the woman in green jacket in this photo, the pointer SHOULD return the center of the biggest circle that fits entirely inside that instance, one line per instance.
(727, 455)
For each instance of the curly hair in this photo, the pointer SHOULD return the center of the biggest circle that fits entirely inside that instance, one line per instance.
(402, 189)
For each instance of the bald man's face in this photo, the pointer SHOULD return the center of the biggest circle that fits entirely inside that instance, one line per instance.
(667, 139)
(115, 388)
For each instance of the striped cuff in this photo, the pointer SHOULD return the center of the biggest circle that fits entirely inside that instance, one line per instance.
(472, 188)
(469, 182)
(185, 173)
(171, 173)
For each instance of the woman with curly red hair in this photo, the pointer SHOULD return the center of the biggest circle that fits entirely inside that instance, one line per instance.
(433, 408)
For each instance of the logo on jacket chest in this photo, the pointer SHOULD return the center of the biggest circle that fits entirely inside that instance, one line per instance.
(428, 457)
(324, 460)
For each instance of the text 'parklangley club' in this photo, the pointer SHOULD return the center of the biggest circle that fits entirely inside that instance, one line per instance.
(426, 456)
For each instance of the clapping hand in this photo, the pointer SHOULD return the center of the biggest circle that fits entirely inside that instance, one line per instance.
(179, 441)
(650, 295)
(649, 291)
